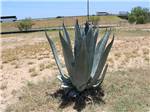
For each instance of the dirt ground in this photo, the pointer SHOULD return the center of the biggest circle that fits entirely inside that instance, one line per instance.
(27, 57)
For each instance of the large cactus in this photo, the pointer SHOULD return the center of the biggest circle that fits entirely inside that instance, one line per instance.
(86, 65)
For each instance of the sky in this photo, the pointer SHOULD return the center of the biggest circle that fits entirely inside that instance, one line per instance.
(53, 8)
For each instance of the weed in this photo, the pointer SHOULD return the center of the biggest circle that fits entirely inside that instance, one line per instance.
(3, 85)
(33, 74)
(16, 66)
(1, 66)
(42, 67)
(49, 66)
(118, 54)
(30, 63)
(32, 69)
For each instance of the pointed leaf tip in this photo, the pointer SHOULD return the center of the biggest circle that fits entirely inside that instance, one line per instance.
(63, 24)
(60, 33)
(77, 21)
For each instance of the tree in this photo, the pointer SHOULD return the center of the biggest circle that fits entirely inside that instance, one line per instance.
(139, 15)
(131, 18)
(140, 20)
(25, 25)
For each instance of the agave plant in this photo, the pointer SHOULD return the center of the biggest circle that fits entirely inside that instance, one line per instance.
(86, 65)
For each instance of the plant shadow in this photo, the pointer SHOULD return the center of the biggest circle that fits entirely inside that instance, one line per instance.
(89, 96)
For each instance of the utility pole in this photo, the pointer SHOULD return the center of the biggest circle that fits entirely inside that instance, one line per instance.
(88, 10)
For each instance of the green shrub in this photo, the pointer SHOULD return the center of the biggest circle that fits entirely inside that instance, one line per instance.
(131, 19)
(140, 20)
(139, 15)
(25, 25)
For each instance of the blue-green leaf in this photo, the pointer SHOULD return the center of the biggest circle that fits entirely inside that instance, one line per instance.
(54, 51)
(90, 44)
(78, 39)
(66, 36)
(102, 61)
(65, 82)
(81, 73)
(96, 32)
(101, 78)
(99, 52)
(68, 55)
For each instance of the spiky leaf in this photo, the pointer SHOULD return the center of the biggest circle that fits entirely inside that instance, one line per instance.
(66, 36)
(90, 44)
(102, 62)
(78, 40)
(68, 55)
(54, 51)
(81, 72)
(101, 78)
(99, 52)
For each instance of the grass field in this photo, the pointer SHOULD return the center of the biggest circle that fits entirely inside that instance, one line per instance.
(56, 22)
(29, 74)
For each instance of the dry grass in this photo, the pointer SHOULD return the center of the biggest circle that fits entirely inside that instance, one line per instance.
(55, 22)
(33, 72)
(49, 65)
(125, 91)
(126, 87)
(30, 63)
(132, 33)
(25, 51)
(33, 69)
(128, 91)
(39, 50)
(3, 85)
(8, 56)
(41, 66)
(34, 98)
(16, 66)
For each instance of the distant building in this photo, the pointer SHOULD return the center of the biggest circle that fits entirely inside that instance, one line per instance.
(123, 13)
(8, 18)
(102, 13)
